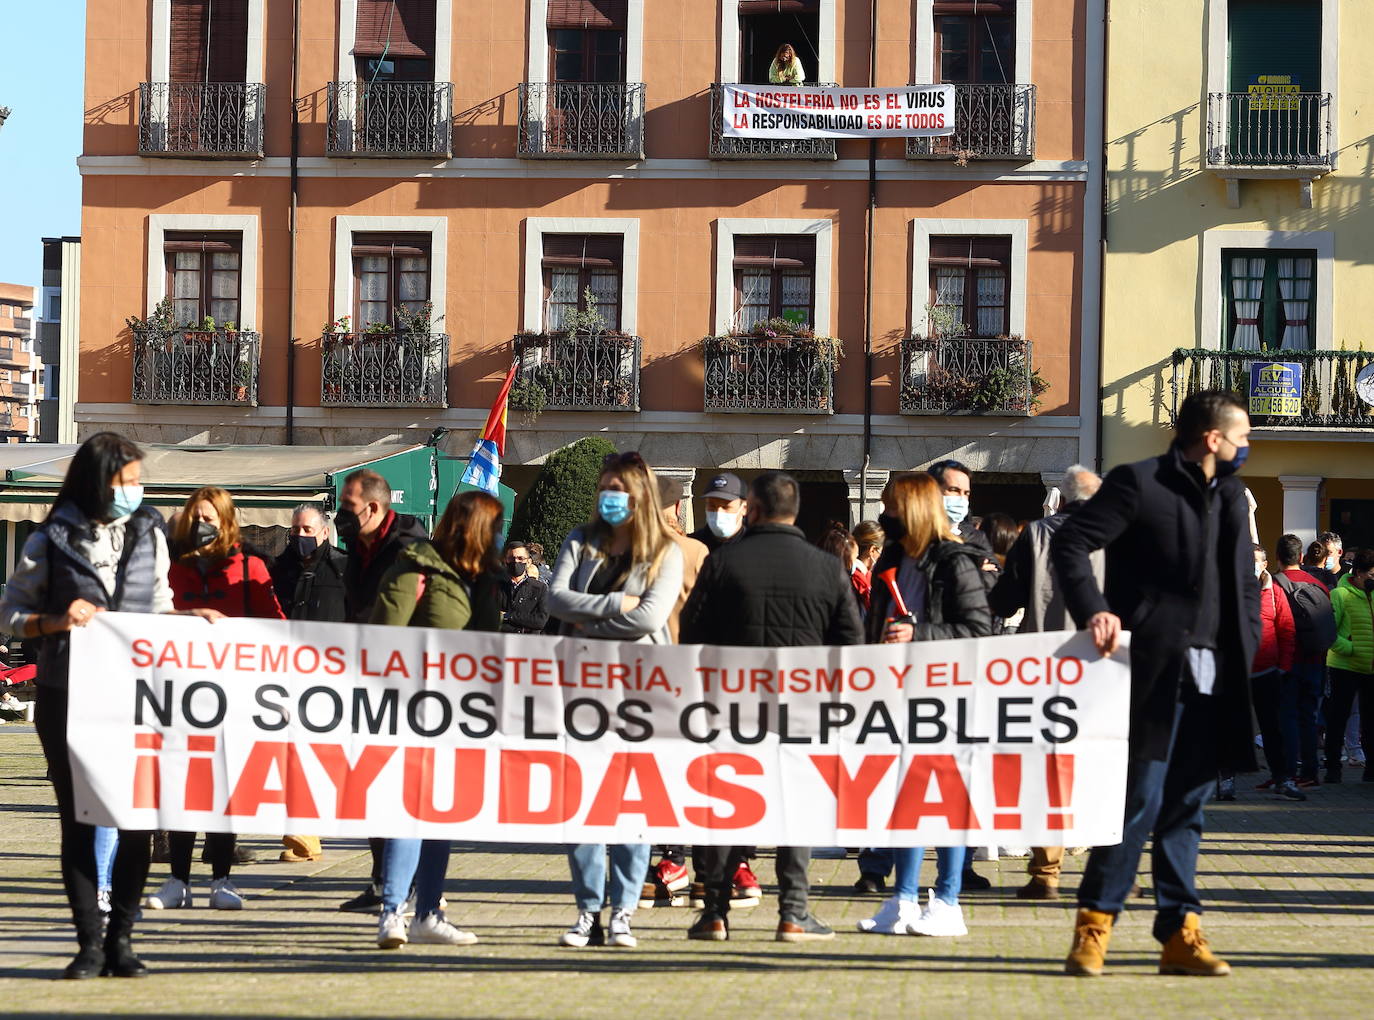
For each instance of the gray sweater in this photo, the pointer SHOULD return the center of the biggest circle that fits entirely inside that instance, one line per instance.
(599, 616)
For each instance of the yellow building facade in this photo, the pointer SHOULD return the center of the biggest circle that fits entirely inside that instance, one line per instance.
(1239, 240)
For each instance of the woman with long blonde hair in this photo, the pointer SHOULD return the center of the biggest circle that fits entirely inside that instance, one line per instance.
(617, 577)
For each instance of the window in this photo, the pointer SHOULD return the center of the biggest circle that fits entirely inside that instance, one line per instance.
(766, 24)
(774, 278)
(390, 274)
(574, 264)
(1269, 298)
(970, 279)
(55, 307)
(204, 274)
(394, 40)
(975, 41)
(209, 41)
(587, 40)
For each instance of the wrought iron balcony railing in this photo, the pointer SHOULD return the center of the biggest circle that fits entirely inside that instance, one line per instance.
(581, 120)
(959, 375)
(191, 366)
(384, 369)
(560, 372)
(1333, 394)
(784, 375)
(196, 120)
(1270, 130)
(990, 122)
(725, 147)
(393, 118)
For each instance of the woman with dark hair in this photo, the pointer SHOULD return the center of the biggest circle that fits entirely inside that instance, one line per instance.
(99, 549)
(786, 68)
(1002, 532)
(838, 542)
(453, 582)
(211, 569)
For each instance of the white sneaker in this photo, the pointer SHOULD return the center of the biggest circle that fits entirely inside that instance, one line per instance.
(102, 900)
(224, 895)
(586, 931)
(434, 929)
(620, 930)
(894, 917)
(173, 895)
(940, 919)
(1014, 851)
(391, 930)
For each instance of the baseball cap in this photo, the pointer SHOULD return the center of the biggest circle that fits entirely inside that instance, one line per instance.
(725, 486)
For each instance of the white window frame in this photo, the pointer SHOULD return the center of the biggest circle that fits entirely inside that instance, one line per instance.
(730, 42)
(537, 57)
(1219, 66)
(435, 226)
(921, 233)
(245, 226)
(1212, 327)
(535, 229)
(923, 73)
(443, 40)
(726, 232)
(160, 56)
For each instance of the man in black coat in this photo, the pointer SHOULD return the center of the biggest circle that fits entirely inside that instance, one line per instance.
(524, 599)
(768, 588)
(1180, 578)
(308, 576)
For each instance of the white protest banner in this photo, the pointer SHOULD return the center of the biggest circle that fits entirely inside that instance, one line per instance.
(785, 111)
(270, 726)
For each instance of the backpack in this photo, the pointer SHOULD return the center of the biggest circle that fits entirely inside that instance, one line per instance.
(1313, 617)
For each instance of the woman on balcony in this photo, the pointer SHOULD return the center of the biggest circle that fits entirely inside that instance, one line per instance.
(617, 577)
(940, 583)
(786, 68)
(211, 570)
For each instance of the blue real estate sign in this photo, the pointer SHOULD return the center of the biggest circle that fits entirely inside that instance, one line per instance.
(1275, 388)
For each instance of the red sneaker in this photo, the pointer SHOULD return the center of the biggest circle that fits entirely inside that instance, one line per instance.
(671, 876)
(746, 885)
(1268, 784)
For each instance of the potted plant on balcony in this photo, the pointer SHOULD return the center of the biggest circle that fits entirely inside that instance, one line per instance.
(202, 331)
(550, 362)
(815, 358)
(156, 327)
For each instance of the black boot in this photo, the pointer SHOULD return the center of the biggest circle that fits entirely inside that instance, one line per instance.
(120, 960)
(88, 962)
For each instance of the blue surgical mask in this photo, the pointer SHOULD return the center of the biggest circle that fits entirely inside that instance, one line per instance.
(956, 509)
(613, 507)
(723, 523)
(127, 499)
(1230, 467)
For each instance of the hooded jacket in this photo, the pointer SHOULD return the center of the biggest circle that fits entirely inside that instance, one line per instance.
(1354, 610)
(422, 590)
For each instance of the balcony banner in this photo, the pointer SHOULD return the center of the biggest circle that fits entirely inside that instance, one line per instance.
(784, 111)
(272, 726)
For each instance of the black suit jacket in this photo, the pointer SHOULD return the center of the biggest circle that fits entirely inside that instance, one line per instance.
(1150, 518)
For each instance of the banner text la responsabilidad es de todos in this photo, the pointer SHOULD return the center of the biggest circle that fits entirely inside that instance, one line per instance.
(782, 111)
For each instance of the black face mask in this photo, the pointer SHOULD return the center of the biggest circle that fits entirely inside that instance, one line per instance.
(346, 525)
(203, 534)
(892, 527)
(1369, 585)
(517, 569)
(306, 545)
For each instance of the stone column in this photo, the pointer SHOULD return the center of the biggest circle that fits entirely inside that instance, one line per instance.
(1301, 506)
(684, 477)
(865, 503)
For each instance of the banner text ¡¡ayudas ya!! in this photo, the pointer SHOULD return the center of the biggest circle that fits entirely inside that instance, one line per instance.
(269, 726)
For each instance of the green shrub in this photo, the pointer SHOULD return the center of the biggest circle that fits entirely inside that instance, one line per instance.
(562, 496)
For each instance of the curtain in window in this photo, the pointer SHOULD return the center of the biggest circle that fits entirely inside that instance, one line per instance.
(1247, 290)
(992, 304)
(796, 292)
(186, 288)
(1295, 288)
(373, 274)
(562, 296)
(755, 292)
(947, 315)
(605, 287)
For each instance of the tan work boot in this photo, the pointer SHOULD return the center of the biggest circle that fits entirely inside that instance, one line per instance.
(1092, 932)
(301, 849)
(1187, 952)
(1038, 889)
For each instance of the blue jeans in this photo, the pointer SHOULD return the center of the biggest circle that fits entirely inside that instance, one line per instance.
(419, 862)
(1299, 698)
(106, 843)
(1164, 801)
(587, 861)
(949, 872)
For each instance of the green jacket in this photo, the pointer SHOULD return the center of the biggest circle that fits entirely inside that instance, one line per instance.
(421, 590)
(1354, 610)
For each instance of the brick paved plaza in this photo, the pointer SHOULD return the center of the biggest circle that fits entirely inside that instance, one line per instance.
(1290, 890)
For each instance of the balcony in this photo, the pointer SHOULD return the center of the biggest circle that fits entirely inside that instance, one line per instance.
(220, 120)
(723, 147)
(1270, 135)
(384, 369)
(778, 375)
(991, 122)
(13, 354)
(562, 372)
(193, 366)
(394, 119)
(960, 375)
(1337, 387)
(19, 391)
(581, 120)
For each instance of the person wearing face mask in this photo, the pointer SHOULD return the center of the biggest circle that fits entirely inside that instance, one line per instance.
(1350, 662)
(617, 577)
(1180, 577)
(524, 597)
(956, 488)
(212, 570)
(99, 549)
(726, 505)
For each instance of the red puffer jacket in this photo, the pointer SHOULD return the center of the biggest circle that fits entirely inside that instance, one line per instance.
(1278, 636)
(237, 586)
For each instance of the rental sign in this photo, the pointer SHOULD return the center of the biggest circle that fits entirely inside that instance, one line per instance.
(782, 111)
(274, 726)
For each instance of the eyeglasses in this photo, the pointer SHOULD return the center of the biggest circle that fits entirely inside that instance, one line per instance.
(619, 460)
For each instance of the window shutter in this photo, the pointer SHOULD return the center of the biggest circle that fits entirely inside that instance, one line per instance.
(398, 28)
(389, 245)
(786, 252)
(972, 252)
(201, 242)
(209, 40)
(601, 14)
(228, 40)
(188, 40)
(584, 250)
(779, 6)
(990, 7)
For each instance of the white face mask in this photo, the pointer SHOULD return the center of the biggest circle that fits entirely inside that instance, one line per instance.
(1259, 570)
(723, 523)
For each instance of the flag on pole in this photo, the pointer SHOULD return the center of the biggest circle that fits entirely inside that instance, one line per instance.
(484, 466)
